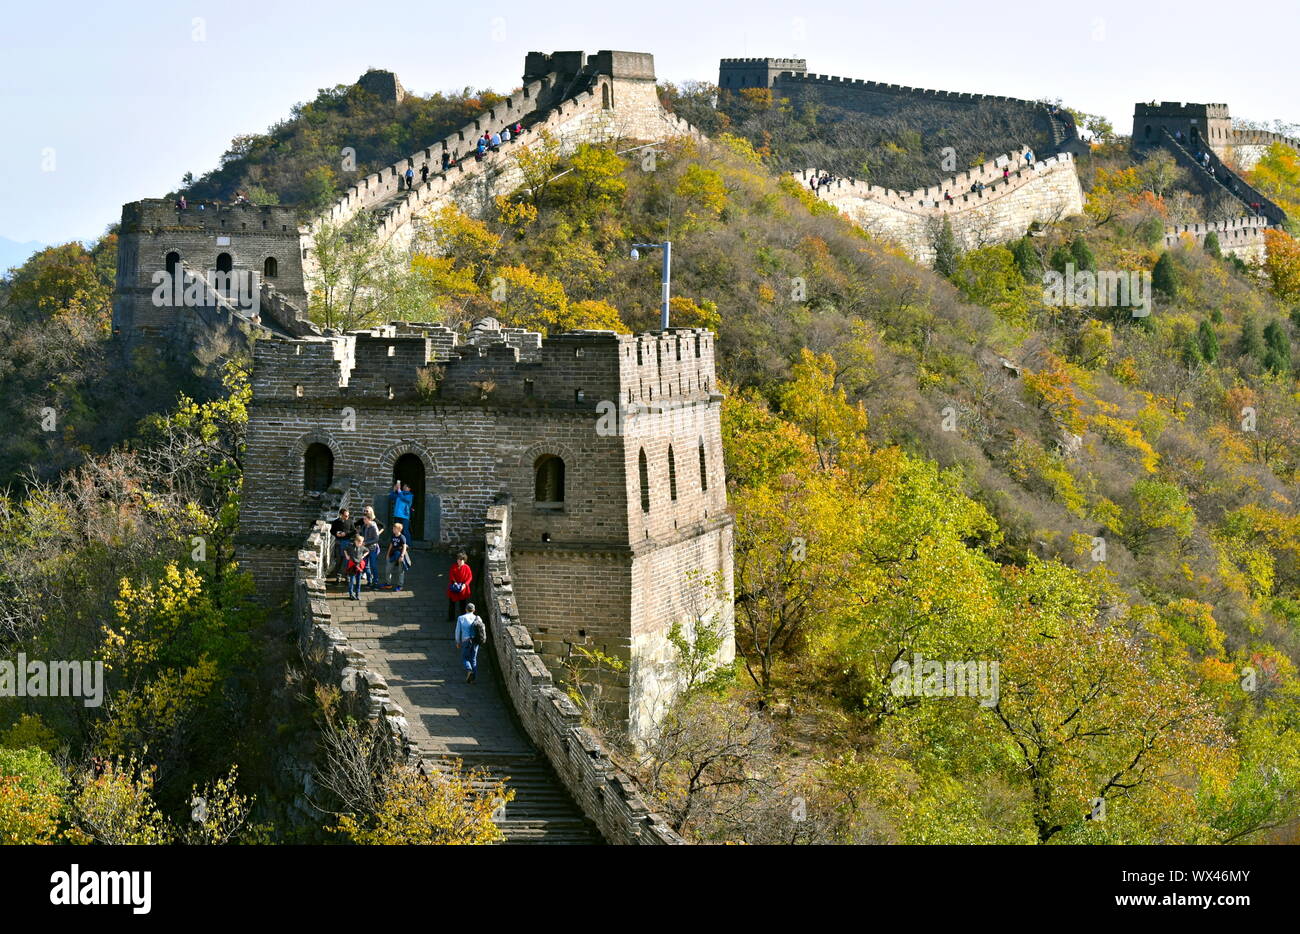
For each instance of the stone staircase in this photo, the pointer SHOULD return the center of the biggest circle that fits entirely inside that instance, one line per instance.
(406, 638)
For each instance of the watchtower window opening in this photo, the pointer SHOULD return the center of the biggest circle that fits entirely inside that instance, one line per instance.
(643, 469)
(317, 468)
(672, 474)
(173, 262)
(224, 262)
(704, 468)
(548, 482)
(270, 267)
(391, 350)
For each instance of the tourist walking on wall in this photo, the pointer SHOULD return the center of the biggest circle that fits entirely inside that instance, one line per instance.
(458, 586)
(496, 142)
(470, 633)
(479, 148)
(410, 177)
(446, 160)
(370, 532)
(398, 558)
(357, 553)
(424, 173)
(1029, 157)
(340, 533)
(505, 134)
(519, 129)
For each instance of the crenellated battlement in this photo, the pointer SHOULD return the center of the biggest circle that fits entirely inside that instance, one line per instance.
(213, 217)
(931, 201)
(574, 370)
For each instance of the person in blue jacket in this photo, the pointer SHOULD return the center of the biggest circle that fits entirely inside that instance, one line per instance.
(400, 500)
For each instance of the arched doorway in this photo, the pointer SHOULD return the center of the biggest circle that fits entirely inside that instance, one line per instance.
(409, 469)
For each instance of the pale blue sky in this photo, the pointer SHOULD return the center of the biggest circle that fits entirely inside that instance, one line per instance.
(125, 98)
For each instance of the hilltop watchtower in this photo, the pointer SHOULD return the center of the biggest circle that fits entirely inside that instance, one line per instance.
(207, 237)
(607, 446)
(737, 73)
(1199, 124)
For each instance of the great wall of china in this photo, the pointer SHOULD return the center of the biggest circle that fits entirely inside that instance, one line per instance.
(645, 510)
(1041, 192)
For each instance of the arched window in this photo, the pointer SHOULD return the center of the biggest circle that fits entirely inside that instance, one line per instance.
(317, 468)
(644, 469)
(173, 262)
(224, 262)
(270, 268)
(548, 485)
(672, 475)
(704, 468)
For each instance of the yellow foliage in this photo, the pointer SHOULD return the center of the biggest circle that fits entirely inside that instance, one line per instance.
(445, 809)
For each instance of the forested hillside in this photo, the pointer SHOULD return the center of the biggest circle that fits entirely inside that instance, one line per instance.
(934, 464)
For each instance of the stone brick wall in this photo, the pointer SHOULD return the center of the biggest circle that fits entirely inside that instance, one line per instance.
(1247, 147)
(596, 568)
(607, 796)
(611, 96)
(1242, 236)
(737, 73)
(1045, 191)
(1210, 123)
(153, 228)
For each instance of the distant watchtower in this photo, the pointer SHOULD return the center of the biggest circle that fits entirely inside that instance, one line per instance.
(383, 84)
(737, 73)
(1199, 124)
(206, 237)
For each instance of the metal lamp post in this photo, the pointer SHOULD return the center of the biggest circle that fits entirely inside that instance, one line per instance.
(667, 275)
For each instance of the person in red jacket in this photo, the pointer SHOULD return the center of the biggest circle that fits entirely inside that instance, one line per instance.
(459, 578)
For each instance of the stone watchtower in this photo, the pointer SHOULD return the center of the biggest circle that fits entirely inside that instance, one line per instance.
(737, 73)
(608, 448)
(206, 238)
(383, 84)
(1199, 124)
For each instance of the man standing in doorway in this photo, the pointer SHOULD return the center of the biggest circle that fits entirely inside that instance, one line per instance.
(400, 500)
(470, 634)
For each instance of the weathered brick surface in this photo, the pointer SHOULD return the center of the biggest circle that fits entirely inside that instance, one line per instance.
(613, 566)
(1045, 191)
(607, 796)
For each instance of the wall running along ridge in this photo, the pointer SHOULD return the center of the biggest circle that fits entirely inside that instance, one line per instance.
(1043, 192)
(571, 109)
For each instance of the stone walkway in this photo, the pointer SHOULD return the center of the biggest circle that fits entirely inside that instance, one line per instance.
(407, 639)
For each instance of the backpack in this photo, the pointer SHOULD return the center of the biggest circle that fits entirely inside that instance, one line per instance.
(480, 630)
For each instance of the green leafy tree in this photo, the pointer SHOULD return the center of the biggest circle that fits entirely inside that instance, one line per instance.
(945, 250)
(1164, 276)
(1207, 341)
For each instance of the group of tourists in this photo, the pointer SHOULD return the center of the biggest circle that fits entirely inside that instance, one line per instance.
(493, 140)
(820, 181)
(359, 547)
(488, 142)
